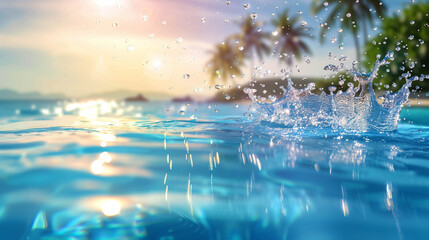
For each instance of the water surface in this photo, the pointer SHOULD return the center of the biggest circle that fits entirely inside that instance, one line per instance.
(104, 170)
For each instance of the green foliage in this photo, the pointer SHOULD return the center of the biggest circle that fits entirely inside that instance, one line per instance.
(350, 15)
(228, 59)
(225, 62)
(252, 39)
(407, 35)
(290, 36)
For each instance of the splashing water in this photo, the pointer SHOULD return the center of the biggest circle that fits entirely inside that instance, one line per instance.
(355, 110)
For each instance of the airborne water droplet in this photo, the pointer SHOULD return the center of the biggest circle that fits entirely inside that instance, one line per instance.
(275, 33)
(253, 15)
(186, 76)
(342, 58)
(182, 112)
(227, 97)
(203, 19)
(179, 40)
(411, 37)
(303, 23)
(325, 4)
(348, 15)
(246, 5)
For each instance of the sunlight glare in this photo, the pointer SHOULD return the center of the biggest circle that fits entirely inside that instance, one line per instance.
(157, 64)
(111, 207)
(105, 3)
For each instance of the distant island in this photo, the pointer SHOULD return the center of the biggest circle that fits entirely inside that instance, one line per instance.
(138, 98)
(188, 99)
(8, 94)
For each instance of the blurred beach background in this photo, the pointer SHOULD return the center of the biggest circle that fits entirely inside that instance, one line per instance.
(197, 50)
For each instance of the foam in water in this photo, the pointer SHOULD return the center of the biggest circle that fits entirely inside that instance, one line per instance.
(354, 110)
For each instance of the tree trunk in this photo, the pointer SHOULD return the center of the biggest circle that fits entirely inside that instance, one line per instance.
(252, 67)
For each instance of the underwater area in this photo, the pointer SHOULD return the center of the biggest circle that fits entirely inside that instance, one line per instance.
(106, 170)
(214, 120)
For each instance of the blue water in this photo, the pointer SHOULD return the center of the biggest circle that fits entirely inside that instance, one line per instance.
(100, 171)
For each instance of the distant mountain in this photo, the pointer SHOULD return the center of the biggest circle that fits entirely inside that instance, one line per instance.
(123, 94)
(8, 94)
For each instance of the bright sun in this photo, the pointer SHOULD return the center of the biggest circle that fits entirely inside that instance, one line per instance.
(105, 3)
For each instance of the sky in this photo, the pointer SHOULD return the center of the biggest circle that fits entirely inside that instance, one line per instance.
(82, 47)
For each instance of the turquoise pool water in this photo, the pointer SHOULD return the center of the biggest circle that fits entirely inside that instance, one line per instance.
(105, 170)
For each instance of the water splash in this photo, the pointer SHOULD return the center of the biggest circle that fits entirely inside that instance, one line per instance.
(355, 110)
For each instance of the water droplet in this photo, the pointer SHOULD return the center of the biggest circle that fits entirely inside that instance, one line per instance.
(275, 33)
(216, 110)
(340, 29)
(325, 4)
(163, 23)
(272, 98)
(303, 23)
(411, 37)
(341, 46)
(144, 17)
(151, 35)
(130, 48)
(179, 40)
(348, 15)
(333, 40)
(114, 25)
(253, 15)
(228, 2)
(412, 22)
(203, 19)
(332, 89)
(241, 48)
(246, 5)
(307, 59)
(412, 65)
(182, 112)
(186, 76)
(227, 97)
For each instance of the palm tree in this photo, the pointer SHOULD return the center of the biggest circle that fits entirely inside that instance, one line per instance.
(225, 62)
(352, 13)
(290, 35)
(252, 39)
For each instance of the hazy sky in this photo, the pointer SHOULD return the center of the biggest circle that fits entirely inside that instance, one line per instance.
(85, 46)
